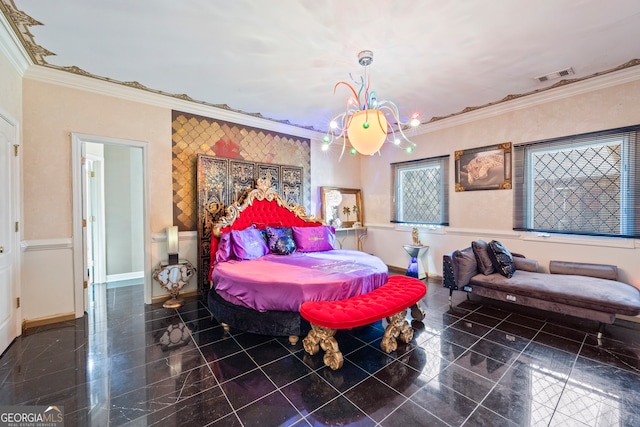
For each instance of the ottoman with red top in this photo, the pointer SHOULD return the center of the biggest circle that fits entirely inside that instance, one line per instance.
(389, 301)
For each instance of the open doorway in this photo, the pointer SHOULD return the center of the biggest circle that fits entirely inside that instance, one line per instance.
(114, 206)
(110, 217)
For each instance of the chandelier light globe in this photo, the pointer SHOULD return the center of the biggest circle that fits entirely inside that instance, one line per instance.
(366, 120)
(367, 131)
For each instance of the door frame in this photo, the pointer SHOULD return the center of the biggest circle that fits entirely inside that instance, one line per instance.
(16, 216)
(79, 252)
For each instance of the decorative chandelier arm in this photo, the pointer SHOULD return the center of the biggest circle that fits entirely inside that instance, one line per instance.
(391, 106)
(349, 86)
(360, 91)
(372, 101)
(355, 121)
(393, 109)
(413, 144)
(344, 145)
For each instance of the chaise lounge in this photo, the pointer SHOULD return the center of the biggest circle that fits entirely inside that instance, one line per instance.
(590, 291)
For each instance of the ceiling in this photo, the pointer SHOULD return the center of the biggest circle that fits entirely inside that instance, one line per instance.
(282, 58)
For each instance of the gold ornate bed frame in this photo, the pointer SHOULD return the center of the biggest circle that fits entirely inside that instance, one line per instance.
(263, 191)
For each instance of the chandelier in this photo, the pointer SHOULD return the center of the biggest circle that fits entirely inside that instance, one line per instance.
(364, 122)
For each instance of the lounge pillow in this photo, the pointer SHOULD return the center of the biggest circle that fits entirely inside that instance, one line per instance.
(248, 244)
(224, 248)
(481, 251)
(280, 240)
(525, 264)
(314, 239)
(501, 259)
(466, 266)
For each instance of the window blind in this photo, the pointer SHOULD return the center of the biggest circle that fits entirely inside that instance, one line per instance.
(584, 184)
(420, 191)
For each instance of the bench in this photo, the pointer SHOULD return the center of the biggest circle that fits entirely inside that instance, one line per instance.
(389, 301)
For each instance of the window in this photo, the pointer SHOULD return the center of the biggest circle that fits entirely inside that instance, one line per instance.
(420, 191)
(584, 184)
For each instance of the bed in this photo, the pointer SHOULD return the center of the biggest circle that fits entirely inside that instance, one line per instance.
(268, 257)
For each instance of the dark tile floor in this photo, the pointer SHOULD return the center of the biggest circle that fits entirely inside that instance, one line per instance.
(473, 364)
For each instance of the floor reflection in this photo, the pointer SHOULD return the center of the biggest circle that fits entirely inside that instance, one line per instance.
(473, 363)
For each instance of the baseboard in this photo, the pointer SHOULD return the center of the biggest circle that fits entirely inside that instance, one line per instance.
(396, 270)
(163, 298)
(431, 277)
(33, 323)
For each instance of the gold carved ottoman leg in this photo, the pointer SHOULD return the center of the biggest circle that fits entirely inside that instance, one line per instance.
(397, 327)
(416, 312)
(311, 341)
(319, 336)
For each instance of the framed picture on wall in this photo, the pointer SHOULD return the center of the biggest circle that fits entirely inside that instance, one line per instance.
(484, 168)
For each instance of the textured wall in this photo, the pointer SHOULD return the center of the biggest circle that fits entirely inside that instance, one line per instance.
(193, 135)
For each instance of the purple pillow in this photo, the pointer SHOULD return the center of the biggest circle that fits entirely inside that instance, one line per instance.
(314, 239)
(248, 244)
(224, 248)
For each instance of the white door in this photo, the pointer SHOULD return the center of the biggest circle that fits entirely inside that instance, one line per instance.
(85, 231)
(8, 239)
(94, 198)
(89, 214)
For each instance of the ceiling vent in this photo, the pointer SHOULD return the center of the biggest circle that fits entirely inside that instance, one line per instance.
(555, 75)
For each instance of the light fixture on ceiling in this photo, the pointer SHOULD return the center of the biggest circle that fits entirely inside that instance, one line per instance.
(364, 122)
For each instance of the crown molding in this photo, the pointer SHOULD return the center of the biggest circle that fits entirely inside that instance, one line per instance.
(145, 96)
(11, 46)
(568, 89)
(511, 103)
(24, 53)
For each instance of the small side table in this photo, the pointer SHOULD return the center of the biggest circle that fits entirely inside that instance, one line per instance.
(416, 269)
(173, 277)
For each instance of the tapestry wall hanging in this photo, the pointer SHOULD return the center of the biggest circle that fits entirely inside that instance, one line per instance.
(193, 135)
(222, 182)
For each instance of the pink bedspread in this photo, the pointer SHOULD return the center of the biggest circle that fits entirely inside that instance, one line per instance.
(276, 282)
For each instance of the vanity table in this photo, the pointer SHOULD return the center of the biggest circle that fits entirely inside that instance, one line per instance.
(358, 233)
